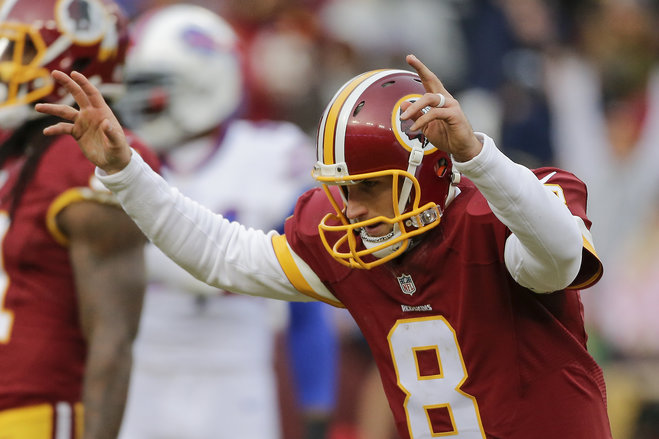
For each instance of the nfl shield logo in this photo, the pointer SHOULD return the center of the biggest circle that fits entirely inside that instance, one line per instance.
(406, 284)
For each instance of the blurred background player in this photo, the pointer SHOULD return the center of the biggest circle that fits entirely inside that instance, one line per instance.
(205, 359)
(72, 266)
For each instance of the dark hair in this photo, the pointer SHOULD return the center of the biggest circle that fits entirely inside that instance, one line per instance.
(27, 141)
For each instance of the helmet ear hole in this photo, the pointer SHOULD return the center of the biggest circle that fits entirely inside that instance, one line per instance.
(80, 64)
(440, 167)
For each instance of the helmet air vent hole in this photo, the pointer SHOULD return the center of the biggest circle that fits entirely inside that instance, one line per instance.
(358, 108)
(417, 80)
(387, 84)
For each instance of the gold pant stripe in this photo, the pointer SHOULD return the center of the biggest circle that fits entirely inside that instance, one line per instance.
(38, 422)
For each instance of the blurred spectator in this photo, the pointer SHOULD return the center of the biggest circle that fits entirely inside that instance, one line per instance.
(603, 89)
(503, 93)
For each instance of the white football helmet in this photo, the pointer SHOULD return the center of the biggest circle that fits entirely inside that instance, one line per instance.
(183, 73)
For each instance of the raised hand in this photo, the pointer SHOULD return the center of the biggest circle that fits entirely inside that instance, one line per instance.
(445, 126)
(95, 128)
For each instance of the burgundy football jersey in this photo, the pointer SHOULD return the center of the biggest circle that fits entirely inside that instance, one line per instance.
(463, 350)
(42, 349)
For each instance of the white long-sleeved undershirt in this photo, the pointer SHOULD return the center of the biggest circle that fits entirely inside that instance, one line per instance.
(545, 249)
(543, 254)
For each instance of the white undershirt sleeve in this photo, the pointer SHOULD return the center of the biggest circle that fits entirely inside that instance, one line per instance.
(221, 253)
(545, 249)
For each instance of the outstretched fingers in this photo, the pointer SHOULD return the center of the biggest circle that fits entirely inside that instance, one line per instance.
(59, 129)
(430, 81)
(91, 93)
(435, 104)
(63, 111)
(72, 87)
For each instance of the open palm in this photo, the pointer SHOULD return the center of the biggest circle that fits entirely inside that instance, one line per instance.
(94, 126)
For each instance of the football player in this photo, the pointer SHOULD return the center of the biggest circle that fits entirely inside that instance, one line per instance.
(461, 268)
(204, 358)
(71, 261)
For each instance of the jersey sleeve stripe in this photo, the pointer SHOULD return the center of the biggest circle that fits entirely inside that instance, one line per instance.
(589, 249)
(68, 197)
(300, 275)
(65, 199)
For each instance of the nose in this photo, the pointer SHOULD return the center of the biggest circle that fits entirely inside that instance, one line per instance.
(355, 208)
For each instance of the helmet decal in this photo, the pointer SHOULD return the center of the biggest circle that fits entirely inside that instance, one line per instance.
(199, 40)
(409, 139)
(84, 21)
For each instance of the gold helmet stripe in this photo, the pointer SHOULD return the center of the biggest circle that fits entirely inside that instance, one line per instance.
(330, 122)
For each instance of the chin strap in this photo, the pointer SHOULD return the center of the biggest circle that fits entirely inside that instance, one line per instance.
(373, 241)
(426, 217)
(416, 156)
(453, 189)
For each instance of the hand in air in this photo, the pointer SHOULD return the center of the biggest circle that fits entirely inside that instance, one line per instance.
(95, 128)
(445, 126)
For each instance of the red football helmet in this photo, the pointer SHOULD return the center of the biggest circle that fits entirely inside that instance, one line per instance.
(361, 136)
(39, 36)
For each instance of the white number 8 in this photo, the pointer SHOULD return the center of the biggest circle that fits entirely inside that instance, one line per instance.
(437, 392)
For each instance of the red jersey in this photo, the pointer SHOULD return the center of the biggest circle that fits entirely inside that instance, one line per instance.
(42, 348)
(463, 350)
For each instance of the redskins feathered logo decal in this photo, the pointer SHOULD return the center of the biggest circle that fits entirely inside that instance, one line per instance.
(87, 22)
(407, 138)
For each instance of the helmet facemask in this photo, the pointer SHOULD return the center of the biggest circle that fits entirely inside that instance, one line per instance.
(22, 78)
(406, 223)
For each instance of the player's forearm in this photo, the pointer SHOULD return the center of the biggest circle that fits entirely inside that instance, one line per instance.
(105, 386)
(110, 294)
(214, 250)
(547, 234)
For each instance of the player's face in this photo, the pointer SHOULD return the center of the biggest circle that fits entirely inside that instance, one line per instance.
(368, 199)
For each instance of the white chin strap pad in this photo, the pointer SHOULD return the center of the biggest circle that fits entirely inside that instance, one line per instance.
(374, 241)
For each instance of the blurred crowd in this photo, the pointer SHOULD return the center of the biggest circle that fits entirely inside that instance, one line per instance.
(567, 83)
